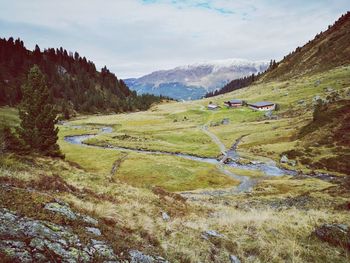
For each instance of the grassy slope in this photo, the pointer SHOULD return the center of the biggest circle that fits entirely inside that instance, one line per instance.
(270, 138)
(254, 224)
(265, 138)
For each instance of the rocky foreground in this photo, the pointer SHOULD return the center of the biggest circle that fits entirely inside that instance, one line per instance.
(23, 239)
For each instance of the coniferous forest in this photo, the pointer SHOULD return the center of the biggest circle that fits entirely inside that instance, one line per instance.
(75, 84)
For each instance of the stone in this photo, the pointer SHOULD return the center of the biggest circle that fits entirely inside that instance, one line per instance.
(15, 250)
(284, 159)
(211, 233)
(37, 244)
(165, 216)
(301, 101)
(102, 250)
(335, 234)
(89, 220)
(62, 209)
(317, 82)
(138, 257)
(225, 121)
(328, 89)
(292, 162)
(234, 259)
(45, 237)
(93, 230)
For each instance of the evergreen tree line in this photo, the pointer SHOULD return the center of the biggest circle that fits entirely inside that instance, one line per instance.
(234, 85)
(73, 81)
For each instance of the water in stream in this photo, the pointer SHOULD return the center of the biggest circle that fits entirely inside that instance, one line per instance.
(269, 169)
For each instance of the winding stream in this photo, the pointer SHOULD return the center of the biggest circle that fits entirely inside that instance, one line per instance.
(229, 159)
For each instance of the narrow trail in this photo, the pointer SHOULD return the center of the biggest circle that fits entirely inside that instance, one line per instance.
(214, 138)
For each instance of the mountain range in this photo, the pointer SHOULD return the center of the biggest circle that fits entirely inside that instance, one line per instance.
(194, 81)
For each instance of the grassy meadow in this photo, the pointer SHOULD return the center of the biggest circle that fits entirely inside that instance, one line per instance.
(128, 191)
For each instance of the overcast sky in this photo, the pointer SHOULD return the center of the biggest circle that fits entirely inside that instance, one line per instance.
(135, 37)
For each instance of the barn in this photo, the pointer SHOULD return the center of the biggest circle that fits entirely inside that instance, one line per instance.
(262, 105)
(234, 103)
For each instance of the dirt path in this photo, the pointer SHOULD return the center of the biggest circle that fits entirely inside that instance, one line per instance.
(214, 138)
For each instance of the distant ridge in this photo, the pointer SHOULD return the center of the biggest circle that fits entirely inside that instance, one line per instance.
(195, 80)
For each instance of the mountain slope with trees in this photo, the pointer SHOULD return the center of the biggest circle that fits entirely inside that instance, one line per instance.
(75, 84)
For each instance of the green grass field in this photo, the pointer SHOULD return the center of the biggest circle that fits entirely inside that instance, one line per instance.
(129, 208)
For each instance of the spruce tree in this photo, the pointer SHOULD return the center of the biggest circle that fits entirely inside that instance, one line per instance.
(38, 116)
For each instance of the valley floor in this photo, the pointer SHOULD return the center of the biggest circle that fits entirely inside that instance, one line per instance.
(178, 200)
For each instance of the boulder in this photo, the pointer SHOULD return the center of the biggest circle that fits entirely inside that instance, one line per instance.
(139, 257)
(284, 159)
(234, 259)
(89, 220)
(301, 101)
(328, 89)
(225, 121)
(93, 230)
(44, 240)
(292, 162)
(165, 216)
(62, 209)
(210, 234)
(335, 234)
(317, 82)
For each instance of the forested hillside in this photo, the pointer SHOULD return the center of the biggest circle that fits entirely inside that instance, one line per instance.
(74, 82)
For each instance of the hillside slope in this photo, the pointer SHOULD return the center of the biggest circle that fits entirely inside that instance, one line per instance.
(327, 50)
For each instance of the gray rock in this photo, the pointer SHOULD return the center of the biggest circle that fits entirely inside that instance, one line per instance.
(138, 257)
(301, 101)
(15, 250)
(165, 216)
(234, 259)
(292, 162)
(284, 159)
(102, 249)
(225, 121)
(62, 209)
(40, 258)
(89, 220)
(93, 230)
(46, 237)
(317, 82)
(37, 244)
(328, 89)
(335, 234)
(211, 233)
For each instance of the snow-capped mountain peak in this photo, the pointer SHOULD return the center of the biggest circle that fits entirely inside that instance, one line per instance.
(198, 77)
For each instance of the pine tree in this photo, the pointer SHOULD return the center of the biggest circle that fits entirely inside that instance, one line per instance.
(10, 142)
(38, 116)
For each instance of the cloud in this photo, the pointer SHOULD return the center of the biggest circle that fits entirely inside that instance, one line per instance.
(134, 37)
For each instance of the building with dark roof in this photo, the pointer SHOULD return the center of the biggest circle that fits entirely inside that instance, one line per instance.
(234, 103)
(262, 105)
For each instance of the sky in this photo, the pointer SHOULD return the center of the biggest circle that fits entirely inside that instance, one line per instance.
(136, 37)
